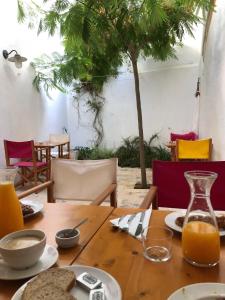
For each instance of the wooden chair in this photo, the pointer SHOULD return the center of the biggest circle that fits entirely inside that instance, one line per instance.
(170, 188)
(62, 151)
(35, 189)
(194, 150)
(92, 180)
(30, 168)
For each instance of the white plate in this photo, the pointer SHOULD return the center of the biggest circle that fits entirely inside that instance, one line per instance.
(48, 259)
(199, 291)
(111, 286)
(171, 218)
(37, 207)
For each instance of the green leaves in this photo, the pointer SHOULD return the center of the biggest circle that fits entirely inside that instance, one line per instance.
(21, 13)
(86, 29)
(99, 34)
(49, 22)
(47, 71)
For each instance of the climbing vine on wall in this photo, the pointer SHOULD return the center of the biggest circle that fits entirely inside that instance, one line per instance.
(52, 72)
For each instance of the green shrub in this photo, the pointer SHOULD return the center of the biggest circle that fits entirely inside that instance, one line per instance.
(94, 153)
(84, 152)
(128, 153)
(161, 153)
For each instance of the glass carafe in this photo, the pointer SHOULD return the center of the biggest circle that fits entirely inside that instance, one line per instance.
(200, 234)
(11, 217)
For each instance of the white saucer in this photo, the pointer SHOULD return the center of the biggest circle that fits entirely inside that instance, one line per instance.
(110, 285)
(199, 291)
(48, 259)
(170, 221)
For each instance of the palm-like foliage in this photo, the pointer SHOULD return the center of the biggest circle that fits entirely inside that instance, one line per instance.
(99, 34)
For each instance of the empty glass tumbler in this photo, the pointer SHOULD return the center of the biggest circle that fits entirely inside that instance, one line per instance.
(200, 234)
(157, 244)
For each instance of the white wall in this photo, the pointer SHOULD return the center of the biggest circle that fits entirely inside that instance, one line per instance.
(212, 101)
(24, 113)
(167, 94)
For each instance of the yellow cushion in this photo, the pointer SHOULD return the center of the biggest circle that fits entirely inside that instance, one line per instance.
(198, 149)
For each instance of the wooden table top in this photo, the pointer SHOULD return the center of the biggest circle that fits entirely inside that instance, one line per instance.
(48, 144)
(57, 216)
(121, 255)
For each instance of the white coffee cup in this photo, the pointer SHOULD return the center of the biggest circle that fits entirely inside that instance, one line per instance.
(22, 249)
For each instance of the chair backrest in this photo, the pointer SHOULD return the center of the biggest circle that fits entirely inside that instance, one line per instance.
(82, 179)
(190, 136)
(59, 138)
(19, 150)
(198, 149)
(173, 189)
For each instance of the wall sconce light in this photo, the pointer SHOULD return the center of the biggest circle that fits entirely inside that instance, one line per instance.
(17, 59)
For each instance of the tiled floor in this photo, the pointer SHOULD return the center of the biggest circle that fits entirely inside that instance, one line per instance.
(126, 194)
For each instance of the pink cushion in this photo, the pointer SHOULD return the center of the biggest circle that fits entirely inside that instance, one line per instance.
(19, 149)
(186, 136)
(173, 189)
(29, 164)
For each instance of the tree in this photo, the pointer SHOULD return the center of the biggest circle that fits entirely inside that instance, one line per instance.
(98, 35)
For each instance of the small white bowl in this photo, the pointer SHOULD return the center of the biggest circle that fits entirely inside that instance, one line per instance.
(26, 257)
(67, 242)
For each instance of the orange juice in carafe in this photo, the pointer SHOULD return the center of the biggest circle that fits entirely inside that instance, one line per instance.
(200, 234)
(11, 217)
(201, 243)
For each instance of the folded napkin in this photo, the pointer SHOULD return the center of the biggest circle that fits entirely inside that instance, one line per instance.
(130, 223)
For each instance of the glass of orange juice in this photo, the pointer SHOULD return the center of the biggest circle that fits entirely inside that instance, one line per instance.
(200, 234)
(11, 217)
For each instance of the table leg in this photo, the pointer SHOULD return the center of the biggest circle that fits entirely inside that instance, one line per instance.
(48, 161)
(173, 153)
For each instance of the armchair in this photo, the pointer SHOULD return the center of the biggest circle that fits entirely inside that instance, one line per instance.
(92, 180)
(26, 160)
(192, 150)
(170, 188)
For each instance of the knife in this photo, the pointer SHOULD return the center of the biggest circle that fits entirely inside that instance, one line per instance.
(126, 225)
(131, 218)
(140, 226)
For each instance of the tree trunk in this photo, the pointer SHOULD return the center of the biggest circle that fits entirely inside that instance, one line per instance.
(140, 123)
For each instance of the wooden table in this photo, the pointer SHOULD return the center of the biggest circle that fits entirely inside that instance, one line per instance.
(122, 256)
(48, 146)
(44, 152)
(172, 147)
(58, 216)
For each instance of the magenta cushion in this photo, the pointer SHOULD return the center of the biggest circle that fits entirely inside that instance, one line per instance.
(173, 189)
(186, 136)
(29, 164)
(19, 149)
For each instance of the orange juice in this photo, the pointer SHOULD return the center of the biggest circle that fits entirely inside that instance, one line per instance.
(201, 243)
(11, 217)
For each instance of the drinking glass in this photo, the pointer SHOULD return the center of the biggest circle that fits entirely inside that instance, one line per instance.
(157, 244)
